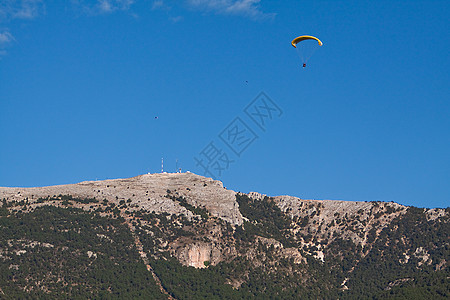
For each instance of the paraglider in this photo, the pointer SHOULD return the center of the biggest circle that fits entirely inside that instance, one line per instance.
(304, 46)
(304, 38)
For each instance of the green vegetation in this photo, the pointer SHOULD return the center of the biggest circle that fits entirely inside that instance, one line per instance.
(190, 283)
(45, 255)
(200, 211)
(66, 198)
(265, 219)
(386, 263)
(63, 252)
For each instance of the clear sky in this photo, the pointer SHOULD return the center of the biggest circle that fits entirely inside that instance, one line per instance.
(105, 89)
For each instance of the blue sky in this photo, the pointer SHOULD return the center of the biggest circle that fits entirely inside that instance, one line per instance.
(82, 82)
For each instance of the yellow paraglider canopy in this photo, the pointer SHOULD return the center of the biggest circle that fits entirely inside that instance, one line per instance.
(304, 37)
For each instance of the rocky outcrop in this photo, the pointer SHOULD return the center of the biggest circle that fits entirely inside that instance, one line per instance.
(348, 219)
(199, 255)
(146, 192)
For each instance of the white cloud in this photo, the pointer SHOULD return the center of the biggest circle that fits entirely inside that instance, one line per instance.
(107, 6)
(5, 38)
(20, 9)
(163, 5)
(248, 8)
(29, 9)
(103, 6)
(13, 10)
(176, 19)
(160, 5)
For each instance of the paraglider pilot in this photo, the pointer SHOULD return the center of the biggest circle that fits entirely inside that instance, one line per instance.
(301, 38)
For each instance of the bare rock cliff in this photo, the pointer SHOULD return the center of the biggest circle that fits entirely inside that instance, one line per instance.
(147, 192)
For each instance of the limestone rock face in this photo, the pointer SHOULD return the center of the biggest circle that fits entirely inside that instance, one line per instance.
(332, 215)
(147, 192)
(199, 255)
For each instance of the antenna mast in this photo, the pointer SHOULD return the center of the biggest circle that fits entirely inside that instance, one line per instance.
(162, 165)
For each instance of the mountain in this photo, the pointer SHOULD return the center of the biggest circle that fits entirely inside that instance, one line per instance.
(184, 236)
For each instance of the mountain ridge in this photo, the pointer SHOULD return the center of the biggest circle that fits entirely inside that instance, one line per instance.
(181, 220)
